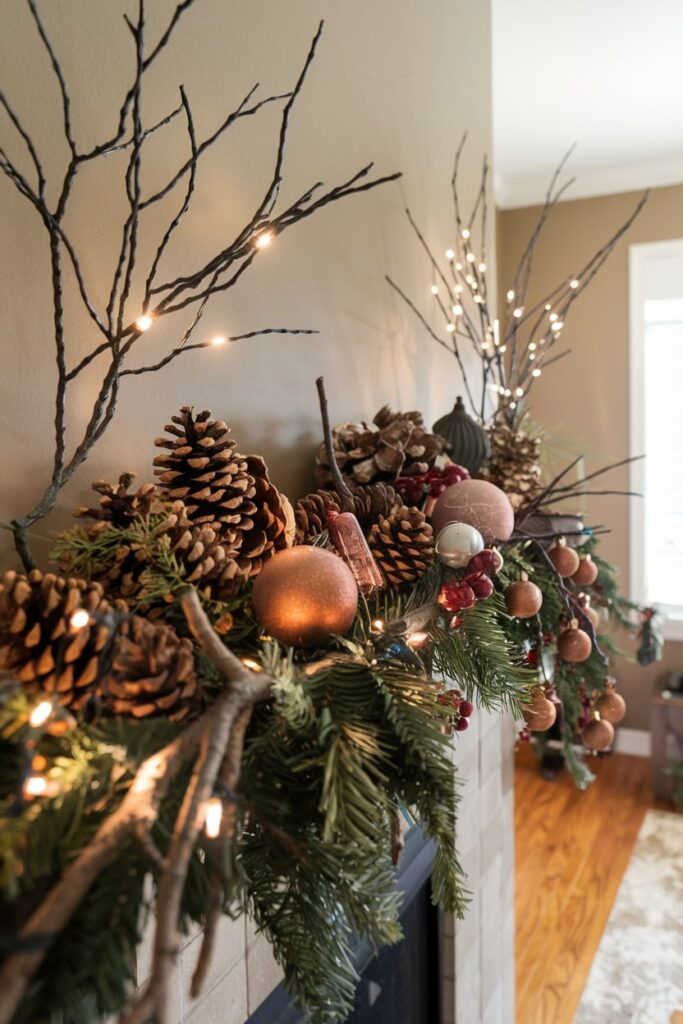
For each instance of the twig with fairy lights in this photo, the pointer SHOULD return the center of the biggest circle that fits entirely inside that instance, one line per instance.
(513, 351)
(124, 320)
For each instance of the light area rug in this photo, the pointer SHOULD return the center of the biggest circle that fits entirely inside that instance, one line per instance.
(637, 973)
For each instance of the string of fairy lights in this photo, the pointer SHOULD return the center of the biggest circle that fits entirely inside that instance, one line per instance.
(506, 374)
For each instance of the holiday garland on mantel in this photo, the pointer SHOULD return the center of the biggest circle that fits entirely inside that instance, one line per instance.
(243, 700)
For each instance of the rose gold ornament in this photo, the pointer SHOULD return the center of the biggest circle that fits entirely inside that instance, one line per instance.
(479, 503)
(303, 595)
(574, 645)
(350, 542)
(564, 559)
(598, 734)
(541, 713)
(587, 573)
(523, 599)
(611, 706)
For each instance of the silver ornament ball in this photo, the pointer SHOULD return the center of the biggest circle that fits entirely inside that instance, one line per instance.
(457, 543)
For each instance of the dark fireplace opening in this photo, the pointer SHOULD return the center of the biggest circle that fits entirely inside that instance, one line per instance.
(401, 984)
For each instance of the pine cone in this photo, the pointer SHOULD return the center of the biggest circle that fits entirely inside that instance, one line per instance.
(369, 503)
(152, 674)
(203, 470)
(514, 464)
(38, 644)
(117, 505)
(403, 545)
(272, 521)
(395, 443)
(207, 560)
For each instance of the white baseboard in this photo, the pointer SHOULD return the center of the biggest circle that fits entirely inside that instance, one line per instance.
(633, 741)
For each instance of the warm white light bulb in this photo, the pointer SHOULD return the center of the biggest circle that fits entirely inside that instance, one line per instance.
(470, 257)
(574, 283)
(517, 312)
(251, 664)
(532, 355)
(532, 346)
(458, 289)
(219, 340)
(458, 266)
(536, 373)
(507, 392)
(377, 625)
(450, 328)
(553, 317)
(417, 639)
(35, 785)
(144, 322)
(264, 239)
(450, 255)
(434, 290)
(557, 326)
(519, 392)
(213, 816)
(510, 296)
(482, 268)
(503, 348)
(479, 299)
(79, 619)
(465, 233)
(548, 306)
(457, 309)
(40, 714)
(513, 405)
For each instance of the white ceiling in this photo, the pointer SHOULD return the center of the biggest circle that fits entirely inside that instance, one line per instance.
(604, 74)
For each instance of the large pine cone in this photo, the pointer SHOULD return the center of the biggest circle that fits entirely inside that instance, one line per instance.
(152, 674)
(38, 644)
(203, 470)
(395, 443)
(369, 503)
(514, 464)
(403, 545)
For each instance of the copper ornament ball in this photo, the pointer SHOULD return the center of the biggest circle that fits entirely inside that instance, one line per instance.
(611, 705)
(592, 615)
(479, 503)
(574, 645)
(540, 714)
(565, 559)
(303, 595)
(523, 599)
(598, 734)
(587, 573)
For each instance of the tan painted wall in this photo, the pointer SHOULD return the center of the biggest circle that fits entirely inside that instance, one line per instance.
(586, 395)
(383, 88)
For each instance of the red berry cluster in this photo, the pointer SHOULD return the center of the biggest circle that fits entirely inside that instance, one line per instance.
(462, 709)
(476, 585)
(430, 484)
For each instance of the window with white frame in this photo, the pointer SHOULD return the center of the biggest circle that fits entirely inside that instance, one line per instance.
(656, 299)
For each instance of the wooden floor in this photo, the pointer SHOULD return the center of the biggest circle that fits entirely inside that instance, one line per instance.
(572, 850)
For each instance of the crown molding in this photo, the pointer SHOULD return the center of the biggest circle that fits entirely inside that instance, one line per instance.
(511, 194)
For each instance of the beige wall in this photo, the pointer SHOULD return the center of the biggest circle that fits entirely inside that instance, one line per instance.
(383, 88)
(586, 396)
(386, 86)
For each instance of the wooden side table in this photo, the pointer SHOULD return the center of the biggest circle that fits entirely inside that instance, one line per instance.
(666, 719)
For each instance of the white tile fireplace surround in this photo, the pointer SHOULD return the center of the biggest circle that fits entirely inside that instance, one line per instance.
(477, 954)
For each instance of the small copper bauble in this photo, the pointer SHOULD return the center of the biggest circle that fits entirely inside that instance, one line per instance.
(541, 713)
(611, 705)
(523, 599)
(574, 645)
(591, 614)
(598, 734)
(303, 595)
(587, 573)
(479, 503)
(457, 543)
(564, 559)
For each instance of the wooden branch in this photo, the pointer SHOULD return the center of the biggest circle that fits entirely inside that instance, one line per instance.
(340, 486)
